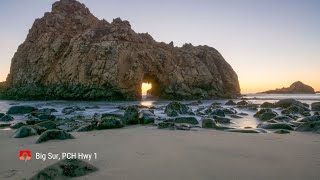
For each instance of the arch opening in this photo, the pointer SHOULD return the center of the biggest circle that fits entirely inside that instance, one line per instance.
(149, 87)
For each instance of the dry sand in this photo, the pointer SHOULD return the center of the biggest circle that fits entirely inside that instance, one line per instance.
(138, 153)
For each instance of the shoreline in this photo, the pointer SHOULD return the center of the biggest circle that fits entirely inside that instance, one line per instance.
(144, 152)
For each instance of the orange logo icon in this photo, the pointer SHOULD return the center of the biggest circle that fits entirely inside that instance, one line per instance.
(25, 155)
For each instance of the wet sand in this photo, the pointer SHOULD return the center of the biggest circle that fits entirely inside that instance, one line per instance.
(139, 152)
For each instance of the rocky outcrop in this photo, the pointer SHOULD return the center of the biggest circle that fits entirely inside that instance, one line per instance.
(295, 88)
(70, 54)
(65, 169)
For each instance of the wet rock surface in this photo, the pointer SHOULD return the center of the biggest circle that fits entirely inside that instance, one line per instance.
(53, 135)
(21, 109)
(65, 169)
(25, 131)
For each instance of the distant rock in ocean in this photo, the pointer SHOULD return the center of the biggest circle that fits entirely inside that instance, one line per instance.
(295, 88)
(71, 54)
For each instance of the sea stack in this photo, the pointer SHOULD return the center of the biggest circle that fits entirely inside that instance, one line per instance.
(71, 54)
(295, 88)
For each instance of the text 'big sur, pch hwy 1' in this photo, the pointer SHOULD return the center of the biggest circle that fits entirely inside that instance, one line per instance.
(65, 155)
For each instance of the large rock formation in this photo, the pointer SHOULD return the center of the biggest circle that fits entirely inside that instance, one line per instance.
(295, 88)
(70, 54)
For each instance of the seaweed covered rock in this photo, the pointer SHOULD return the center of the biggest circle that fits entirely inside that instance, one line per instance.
(166, 125)
(282, 131)
(65, 169)
(53, 135)
(110, 123)
(131, 115)
(21, 109)
(315, 106)
(230, 103)
(208, 123)
(284, 103)
(48, 124)
(265, 114)
(147, 117)
(71, 109)
(309, 126)
(267, 105)
(244, 130)
(267, 125)
(86, 128)
(187, 120)
(17, 125)
(25, 131)
(175, 108)
(242, 103)
(6, 118)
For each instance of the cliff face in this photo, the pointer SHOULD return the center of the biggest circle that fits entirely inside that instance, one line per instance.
(295, 88)
(70, 54)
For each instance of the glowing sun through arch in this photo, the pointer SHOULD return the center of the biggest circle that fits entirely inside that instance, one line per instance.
(145, 87)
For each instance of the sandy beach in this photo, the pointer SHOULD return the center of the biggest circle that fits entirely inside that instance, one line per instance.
(144, 152)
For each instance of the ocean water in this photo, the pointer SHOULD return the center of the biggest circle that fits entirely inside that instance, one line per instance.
(93, 107)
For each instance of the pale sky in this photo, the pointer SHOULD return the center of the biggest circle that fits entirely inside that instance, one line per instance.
(269, 44)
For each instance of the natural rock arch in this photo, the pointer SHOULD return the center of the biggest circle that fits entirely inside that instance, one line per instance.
(70, 54)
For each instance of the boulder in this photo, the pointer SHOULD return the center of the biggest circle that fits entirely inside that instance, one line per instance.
(187, 120)
(146, 117)
(242, 103)
(25, 131)
(282, 131)
(39, 129)
(53, 135)
(119, 114)
(267, 105)
(21, 109)
(265, 114)
(284, 103)
(315, 106)
(244, 130)
(4, 125)
(86, 128)
(220, 119)
(230, 103)
(266, 125)
(235, 116)
(131, 115)
(283, 118)
(175, 108)
(33, 121)
(218, 112)
(71, 109)
(310, 118)
(48, 124)
(183, 127)
(6, 118)
(243, 114)
(297, 109)
(250, 107)
(44, 117)
(110, 123)
(309, 126)
(65, 169)
(166, 125)
(17, 125)
(208, 123)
